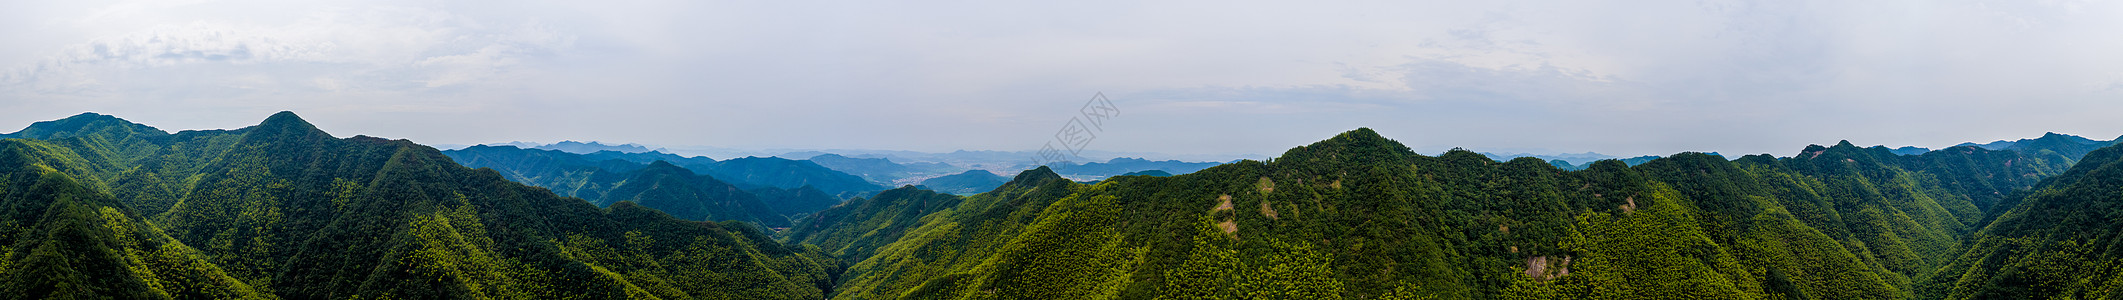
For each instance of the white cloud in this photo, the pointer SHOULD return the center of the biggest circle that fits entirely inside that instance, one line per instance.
(1625, 77)
(380, 48)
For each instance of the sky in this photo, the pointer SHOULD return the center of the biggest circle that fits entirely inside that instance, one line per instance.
(1201, 77)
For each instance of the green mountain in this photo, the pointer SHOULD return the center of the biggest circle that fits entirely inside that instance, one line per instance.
(606, 180)
(1151, 173)
(1124, 165)
(93, 206)
(283, 210)
(970, 182)
(856, 229)
(607, 177)
(2059, 242)
(1360, 216)
(61, 237)
(2063, 149)
(679, 192)
(592, 147)
(788, 174)
(564, 171)
(881, 170)
(797, 202)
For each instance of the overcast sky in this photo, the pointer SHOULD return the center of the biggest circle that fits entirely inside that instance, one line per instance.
(1616, 77)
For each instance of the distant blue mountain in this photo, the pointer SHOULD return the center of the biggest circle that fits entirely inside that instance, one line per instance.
(593, 147)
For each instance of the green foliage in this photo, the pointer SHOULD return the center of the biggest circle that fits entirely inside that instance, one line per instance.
(796, 203)
(64, 239)
(857, 229)
(1360, 216)
(2059, 242)
(284, 210)
(970, 182)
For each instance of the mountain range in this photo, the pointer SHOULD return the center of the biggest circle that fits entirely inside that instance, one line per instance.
(93, 206)
(1360, 216)
(97, 207)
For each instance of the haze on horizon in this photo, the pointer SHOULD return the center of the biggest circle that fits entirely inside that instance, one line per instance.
(1621, 78)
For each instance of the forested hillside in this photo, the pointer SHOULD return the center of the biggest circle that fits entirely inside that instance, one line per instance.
(659, 181)
(1360, 216)
(2060, 242)
(563, 170)
(93, 206)
(101, 208)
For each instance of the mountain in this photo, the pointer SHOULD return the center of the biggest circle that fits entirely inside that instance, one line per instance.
(857, 228)
(592, 176)
(2071, 144)
(567, 174)
(607, 177)
(796, 202)
(970, 182)
(884, 170)
(1584, 157)
(592, 147)
(1151, 173)
(1909, 150)
(777, 172)
(1361, 216)
(284, 210)
(677, 191)
(61, 237)
(1124, 165)
(2057, 148)
(2059, 242)
(1633, 161)
(93, 206)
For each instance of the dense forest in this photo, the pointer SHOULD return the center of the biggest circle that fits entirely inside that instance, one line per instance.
(93, 206)
(1359, 216)
(96, 207)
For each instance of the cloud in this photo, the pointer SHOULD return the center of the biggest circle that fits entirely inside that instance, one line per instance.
(378, 49)
(1619, 77)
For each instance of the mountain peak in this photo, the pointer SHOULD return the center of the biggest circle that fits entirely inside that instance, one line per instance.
(85, 123)
(285, 116)
(90, 114)
(1360, 145)
(286, 119)
(665, 166)
(1034, 177)
(286, 123)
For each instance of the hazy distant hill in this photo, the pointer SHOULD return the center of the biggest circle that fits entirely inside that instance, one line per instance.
(797, 202)
(1575, 157)
(882, 170)
(591, 147)
(970, 182)
(1125, 165)
(1633, 161)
